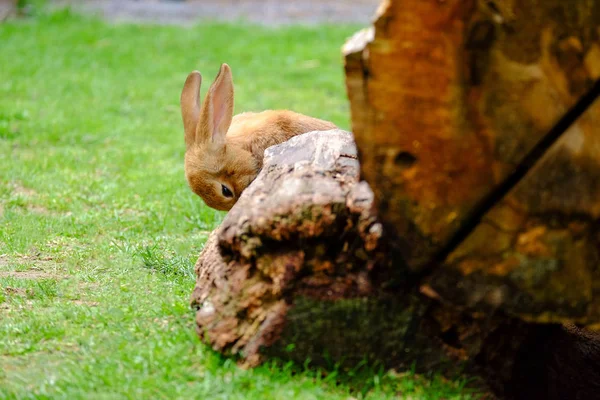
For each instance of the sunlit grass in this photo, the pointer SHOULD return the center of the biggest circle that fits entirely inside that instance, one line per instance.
(98, 230)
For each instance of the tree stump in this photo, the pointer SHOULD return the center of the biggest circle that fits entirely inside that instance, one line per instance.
(452, 106)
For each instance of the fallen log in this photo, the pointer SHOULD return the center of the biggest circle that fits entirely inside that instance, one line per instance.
(299, 263)
(300, 269)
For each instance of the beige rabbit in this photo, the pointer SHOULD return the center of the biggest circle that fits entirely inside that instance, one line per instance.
(224, 153)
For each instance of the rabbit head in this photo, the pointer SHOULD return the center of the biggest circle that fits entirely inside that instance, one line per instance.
(216, 171)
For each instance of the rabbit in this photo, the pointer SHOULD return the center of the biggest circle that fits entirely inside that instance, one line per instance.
(224, 152)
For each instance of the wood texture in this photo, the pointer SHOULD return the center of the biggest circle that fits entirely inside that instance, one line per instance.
(299, 270)
(297, 259)
(447, 99)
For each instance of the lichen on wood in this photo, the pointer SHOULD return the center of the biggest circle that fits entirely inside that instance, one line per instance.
(448, 98)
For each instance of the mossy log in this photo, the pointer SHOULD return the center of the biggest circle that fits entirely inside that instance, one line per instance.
(449, 100)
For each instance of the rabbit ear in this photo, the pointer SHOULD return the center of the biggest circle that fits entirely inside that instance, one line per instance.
(217, 110)
(190, 106)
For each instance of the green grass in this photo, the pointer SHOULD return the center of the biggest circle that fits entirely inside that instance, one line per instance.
(98, 230)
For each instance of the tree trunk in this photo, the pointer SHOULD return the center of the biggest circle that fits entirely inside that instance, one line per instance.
(453, 104)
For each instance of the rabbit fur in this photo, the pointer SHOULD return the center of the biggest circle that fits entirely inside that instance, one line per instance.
(224, 152)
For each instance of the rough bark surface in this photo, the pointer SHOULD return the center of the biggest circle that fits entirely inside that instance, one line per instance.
(299, 253)
(299, 269)
(448, 98)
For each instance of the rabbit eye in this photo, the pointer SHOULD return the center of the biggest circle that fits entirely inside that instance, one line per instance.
(226, 192)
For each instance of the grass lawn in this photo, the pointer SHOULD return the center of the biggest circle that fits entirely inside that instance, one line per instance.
(98, 229)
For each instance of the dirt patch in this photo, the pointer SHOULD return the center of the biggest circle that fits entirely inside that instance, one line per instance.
(20, 190)
(11, 291)
(40, 266)
(31, 274)
(6, 10)
(86, 303)
(40, 367)
(264, 12)
(38, 210)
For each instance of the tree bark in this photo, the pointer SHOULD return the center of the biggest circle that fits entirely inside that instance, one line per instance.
(296, 267)
(450, 258)
(448, 100)
(299, 269)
